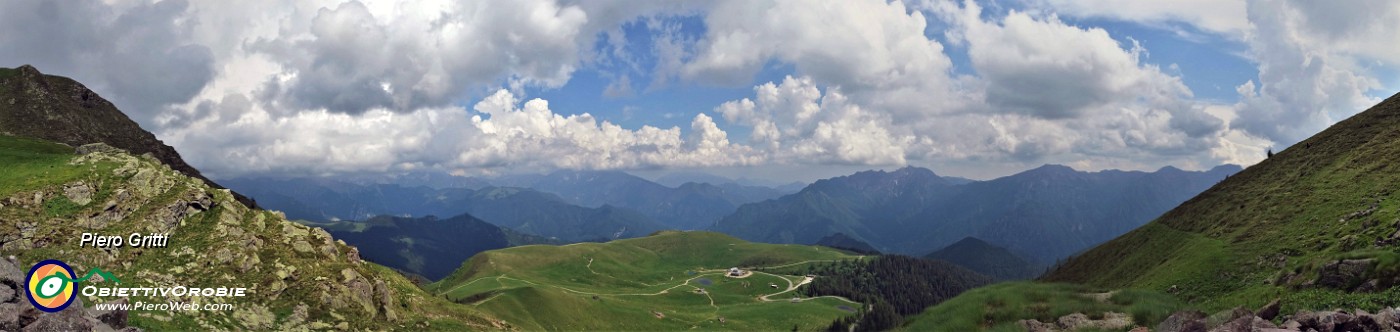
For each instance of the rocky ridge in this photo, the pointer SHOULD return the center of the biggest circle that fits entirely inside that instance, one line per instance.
(62, 110)
(297, 277)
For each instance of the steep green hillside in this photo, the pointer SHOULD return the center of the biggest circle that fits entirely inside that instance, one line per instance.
(296, 277)
(1001, 307)
(987, 259)
(650, 283)
(1315, 224)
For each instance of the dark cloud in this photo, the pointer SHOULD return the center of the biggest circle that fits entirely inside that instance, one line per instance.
(345, 66)
(1196, 123)
(140, 57)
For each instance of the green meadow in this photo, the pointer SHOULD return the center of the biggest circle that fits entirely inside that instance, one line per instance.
(668, 281)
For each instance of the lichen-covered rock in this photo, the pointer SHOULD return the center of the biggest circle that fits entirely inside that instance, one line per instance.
(223, 256)
(386, 300)
(352, 255)
(295, 231)
(285, 272)
(255, 317)
(1072, 321)
(79, 193)
(302, 246)
(298, 316)
(359, 291)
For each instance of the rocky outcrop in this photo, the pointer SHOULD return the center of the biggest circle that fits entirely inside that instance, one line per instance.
(1079, 321)
(1184, 321)
(1303, 320)
(79, 193)
(298, 277)
(1344, 274)
(59, 109)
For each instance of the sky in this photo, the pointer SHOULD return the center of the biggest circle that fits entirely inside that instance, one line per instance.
(774, 89)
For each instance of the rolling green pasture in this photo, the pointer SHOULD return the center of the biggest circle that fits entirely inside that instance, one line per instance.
(650, 283)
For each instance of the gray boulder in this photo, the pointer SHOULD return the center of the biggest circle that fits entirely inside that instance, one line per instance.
(1184, 321)
(1343, 274)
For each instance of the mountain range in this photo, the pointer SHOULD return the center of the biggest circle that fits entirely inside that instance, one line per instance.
(690, 205)
(583, 198)
(1042, 214)
(526, 210)
(1309, 236)
(1315, 226)
(1319, 216)
(427, 247)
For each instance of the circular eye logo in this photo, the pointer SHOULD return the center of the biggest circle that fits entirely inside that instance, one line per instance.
(50, 284)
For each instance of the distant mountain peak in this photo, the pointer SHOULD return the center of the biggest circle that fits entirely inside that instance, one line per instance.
(914, 170)
(1055, 168)
(970, 241)
(986, 258)
(1232, 168)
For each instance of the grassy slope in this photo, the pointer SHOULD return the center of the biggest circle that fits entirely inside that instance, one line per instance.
(30, 165)
(1230, 245)
(998, 307)
(552, 287)
(1221, 248)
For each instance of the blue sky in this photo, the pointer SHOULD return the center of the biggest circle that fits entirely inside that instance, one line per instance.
(789, 90)
(1210, 65)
